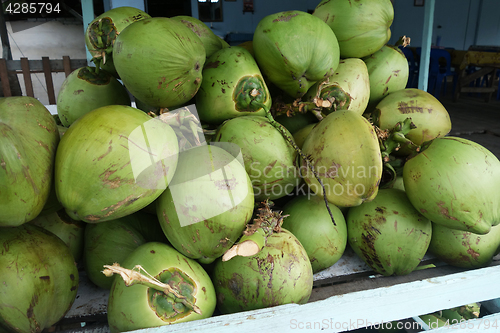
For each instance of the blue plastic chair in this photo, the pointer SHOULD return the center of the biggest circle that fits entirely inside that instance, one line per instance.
(412, 67)
(439, 70)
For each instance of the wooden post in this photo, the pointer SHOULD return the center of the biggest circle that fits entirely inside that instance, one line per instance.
(12, 79)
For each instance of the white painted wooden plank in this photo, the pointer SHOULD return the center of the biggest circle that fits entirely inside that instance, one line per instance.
(350, 263)
(90, 299)
(358, 309)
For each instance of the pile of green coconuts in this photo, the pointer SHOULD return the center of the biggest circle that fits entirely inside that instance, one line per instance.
(193, 178)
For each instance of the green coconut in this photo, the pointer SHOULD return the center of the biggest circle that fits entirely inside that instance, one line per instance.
(309, 221)
(171, 289)
(454, 182)
(297, 121)
(295, 50)
(39, 279)
(280, 273)
(207, 204)
(430, 117)
(388, 233)
(112, 162)
(464, 249)
(64, 227)
(269, 159)
(113, 241)
(388, 72)
(347, 89)
(160, 61)
(28, 144)
(86, 89)
(301, 135)
(102, 31)
(232, 86)
(345, 153)
(362, 27)
(210, 40)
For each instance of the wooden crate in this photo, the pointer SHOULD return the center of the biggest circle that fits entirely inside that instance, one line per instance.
(345, 297)
(9, 69)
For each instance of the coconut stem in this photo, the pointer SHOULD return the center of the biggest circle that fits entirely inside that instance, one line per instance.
(320, 105)
(393, 140)
(403, 41)
(292, 143)
(134, 276)
(256, 233)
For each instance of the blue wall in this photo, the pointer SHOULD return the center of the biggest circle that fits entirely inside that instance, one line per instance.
(237, 21)
(459, 23)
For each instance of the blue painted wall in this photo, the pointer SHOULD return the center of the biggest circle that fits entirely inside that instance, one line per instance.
(458, 23)
(237, 21)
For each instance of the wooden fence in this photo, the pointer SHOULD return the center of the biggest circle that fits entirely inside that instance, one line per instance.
(9, 69)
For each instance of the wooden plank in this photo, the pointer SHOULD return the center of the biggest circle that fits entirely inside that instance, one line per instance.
(477, 90)
(357, 309)
(465, 80)
(4, 77)
(25, 65)
(48, 80)
(36, 66)
(382, 281)
(67, 65)
(350, 266)
(90, 301)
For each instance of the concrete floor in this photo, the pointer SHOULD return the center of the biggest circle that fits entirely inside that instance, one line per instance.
(476, 120)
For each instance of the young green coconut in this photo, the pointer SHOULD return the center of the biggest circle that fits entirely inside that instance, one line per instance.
(294, 50)
(87, 89)
(454, 182)
(28, 146)
(231, 81)
(158, 286)
(39, 279)
(269, 159)
(160, 61)
(388, 233)
(210, 40)
(267, 267)
(362, 27)
(348, 88)
(102, 32)
(464, 249)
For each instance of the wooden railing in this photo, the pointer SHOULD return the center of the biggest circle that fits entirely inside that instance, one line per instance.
(10, 68)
